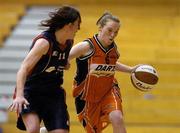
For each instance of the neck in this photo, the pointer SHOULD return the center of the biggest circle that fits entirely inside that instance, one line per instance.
(102, 42)
(60, 37)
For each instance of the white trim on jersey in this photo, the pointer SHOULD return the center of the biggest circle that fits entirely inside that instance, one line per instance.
(91, 52)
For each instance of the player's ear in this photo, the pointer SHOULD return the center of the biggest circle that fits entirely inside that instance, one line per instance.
(69, 25)
(100, 28)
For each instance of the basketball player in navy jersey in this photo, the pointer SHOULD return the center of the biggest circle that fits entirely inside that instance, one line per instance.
(39, 95)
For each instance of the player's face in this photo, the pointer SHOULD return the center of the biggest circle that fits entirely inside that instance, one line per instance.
(108, 32)
(74, 27)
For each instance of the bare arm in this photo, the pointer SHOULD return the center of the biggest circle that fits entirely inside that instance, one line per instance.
(79, 50)
(40, 48)
(125, 68)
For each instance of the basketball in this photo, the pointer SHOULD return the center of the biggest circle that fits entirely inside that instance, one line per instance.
(144, 78)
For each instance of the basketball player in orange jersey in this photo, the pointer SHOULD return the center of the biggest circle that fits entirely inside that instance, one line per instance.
(96, 91)
(39, 91)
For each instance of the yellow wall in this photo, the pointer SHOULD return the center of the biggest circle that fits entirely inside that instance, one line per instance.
(76, 2)
(148, 34)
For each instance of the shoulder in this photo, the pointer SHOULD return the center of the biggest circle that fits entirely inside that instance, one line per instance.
(86, 47)
(88, 50)
(42, 42)
(42, 45)
(79, 50)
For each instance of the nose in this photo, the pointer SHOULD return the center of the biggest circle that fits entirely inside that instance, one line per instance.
(78, 26)
(76, 30)
(112, 35)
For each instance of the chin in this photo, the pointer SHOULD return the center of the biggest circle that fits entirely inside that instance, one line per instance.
(70, 38)
(109, 42)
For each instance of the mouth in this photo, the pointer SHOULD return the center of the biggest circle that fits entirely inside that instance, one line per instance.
(111, 39)
(74, 34)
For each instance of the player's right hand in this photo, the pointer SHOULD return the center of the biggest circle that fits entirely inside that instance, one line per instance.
(18, 103)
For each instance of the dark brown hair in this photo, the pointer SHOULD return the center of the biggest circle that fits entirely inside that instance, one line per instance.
(61, 17)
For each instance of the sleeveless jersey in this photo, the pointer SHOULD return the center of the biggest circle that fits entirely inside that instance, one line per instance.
(47, 75)
(95, 72)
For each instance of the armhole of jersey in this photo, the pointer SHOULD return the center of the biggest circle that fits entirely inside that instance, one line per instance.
(50, 55)
(49, 52)
(91, 53)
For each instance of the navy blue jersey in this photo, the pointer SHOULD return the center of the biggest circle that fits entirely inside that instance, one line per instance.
(47, 75)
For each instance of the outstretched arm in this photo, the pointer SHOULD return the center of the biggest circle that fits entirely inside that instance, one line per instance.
(125, 68)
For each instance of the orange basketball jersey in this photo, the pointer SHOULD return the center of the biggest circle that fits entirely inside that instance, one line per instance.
(95, 72)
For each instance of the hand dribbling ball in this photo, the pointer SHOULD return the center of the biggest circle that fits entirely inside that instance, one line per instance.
(144, 78)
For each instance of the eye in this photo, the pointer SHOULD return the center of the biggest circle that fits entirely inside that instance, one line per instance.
(116, 32)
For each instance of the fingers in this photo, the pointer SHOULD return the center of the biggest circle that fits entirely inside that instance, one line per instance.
(135, 67)
(17, 105)
(12, 107)
(24, 106)
(26, 102)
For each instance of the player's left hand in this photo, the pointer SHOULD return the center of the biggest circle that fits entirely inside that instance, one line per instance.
(134, 67)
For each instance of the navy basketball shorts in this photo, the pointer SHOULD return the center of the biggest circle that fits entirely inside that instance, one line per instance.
(51, 109)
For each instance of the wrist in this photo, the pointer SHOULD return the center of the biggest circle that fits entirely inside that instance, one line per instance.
(19, 94)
